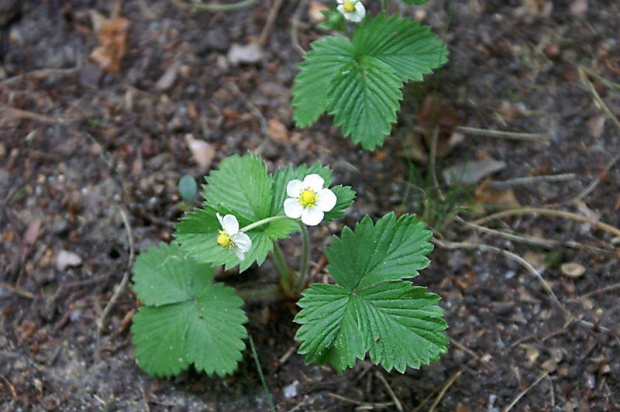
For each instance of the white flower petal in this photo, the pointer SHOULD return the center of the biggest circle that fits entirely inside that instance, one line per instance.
(314, 182)
(360, 10)
(327, 200)
(239, 253)
(340, 1)
(312, 216)
(219, 218)
(292, 208)
(341, 10)
(294, 188)
(242, 242)
(230, 225)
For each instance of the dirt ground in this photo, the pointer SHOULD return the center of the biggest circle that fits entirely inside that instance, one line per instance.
(90, 163)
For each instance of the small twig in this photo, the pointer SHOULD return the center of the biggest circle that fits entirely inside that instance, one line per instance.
(584, 79)
(530, 240)
(18, 291)
(548, 212)
(501, 134)
(362, 404)
(562, 177)
(253, 109)
(445, 388)
(271, 18)
(390, 392)
(528, 266)
(295, 27)
(121, 286)
(223, 8)
(585, 192)
(26, 115)
(39, 75)
(596, 292)
(522, 394)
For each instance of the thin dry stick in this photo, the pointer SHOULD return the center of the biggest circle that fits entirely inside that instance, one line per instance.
(531, 269)
(445, 388)
(596, 292)
(562, 177)
(295, 27)
(385, 383)
(253, 109)
(361, 404)
(505, 135)
(39, 75)
(271, 18)
(224, 8)
(23, 114)
(585, 192)
(121, 286)
(530, 240)
(548, 212)
(522, 394)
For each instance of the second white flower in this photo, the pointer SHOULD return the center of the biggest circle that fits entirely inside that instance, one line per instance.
(308, 200)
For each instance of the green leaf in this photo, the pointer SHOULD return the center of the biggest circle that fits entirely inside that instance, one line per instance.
(345, 196)
(242, 187)
(390, 250)
(372, 309)
(186, 318)
(364, 97)
(320, 65)
(197, 233)
(415, 1)
(410, 49)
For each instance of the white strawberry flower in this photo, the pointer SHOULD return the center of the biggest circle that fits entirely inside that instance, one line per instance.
(308, 200)
(230, 238)
(352, 10)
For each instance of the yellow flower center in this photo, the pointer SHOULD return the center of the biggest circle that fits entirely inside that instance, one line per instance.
(349, 6)
(225, 240)
(308, 198)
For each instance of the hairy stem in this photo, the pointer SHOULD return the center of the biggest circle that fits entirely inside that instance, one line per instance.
(262, 222)
(303, 271)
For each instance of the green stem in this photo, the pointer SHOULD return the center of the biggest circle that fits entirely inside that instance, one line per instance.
(280, 263)
(305, 260)
(385, 4)
(262, 222)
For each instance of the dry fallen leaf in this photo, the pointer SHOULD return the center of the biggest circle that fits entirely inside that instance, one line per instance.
(471, 171)
(437, 115)
(244, 54)
(277, 130)
(66, 259)
(112, 43)
(486, 195)
(314, 11)
(202, 152)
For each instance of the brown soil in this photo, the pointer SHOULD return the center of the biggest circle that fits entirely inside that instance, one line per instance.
(80, 149)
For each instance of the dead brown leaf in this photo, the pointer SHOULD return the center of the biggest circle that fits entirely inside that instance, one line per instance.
(277, 130)
(112, 44)
(437, 115)
(487, 195)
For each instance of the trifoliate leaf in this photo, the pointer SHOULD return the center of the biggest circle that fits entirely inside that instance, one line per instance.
(197, 233)
(364, 97)
(320, 65)
(372, 309)
(242, 187)
(186, 318)
(410, 49)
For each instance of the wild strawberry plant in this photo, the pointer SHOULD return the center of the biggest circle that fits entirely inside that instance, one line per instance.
(371, 308)
(357, 74)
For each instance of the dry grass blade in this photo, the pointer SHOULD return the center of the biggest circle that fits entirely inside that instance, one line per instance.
(522, 394)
